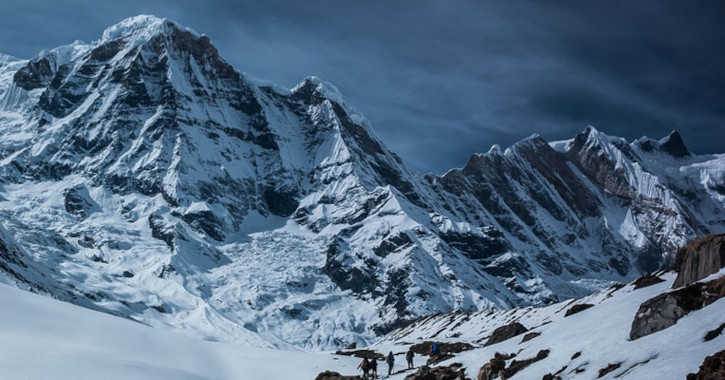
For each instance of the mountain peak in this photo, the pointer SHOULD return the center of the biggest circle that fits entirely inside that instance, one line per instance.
(674, 145)
(534, 141)
(5, 58)
(590, 138)
(313, 84)
(142, 28)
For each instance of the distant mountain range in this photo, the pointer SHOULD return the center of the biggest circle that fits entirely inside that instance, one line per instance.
(143, 176)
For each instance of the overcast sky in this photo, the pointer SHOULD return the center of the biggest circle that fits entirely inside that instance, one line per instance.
(441, 80)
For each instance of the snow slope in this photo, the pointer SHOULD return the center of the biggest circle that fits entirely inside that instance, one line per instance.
(41, 338)
(599, 334)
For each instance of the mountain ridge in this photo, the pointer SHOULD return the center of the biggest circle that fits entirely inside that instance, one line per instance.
(144, 176)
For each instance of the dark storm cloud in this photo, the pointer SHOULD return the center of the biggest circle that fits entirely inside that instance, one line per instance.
(443, 79)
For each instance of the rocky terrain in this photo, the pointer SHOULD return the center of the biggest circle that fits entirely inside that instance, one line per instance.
(143, 176)
(666, 329)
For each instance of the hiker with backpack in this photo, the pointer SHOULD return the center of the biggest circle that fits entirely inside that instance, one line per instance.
(374, 368)
(390, 360)
(436, 349)
(409, 358)
(365, 367)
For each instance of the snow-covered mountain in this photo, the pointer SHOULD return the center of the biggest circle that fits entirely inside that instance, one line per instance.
(143, 176)
(46, 338)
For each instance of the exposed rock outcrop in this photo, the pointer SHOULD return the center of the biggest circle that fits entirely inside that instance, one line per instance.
(445, 347)
(452, 372)
(494, 366)
(713, 368)
(370, 354)
(712, 334)
(329, 375)
(518, 365)
(609, 368)
(577, 308)
(506, 332)
(646, 280)
(78, 202)
(530, 336)
(664, 310)
(699, 259)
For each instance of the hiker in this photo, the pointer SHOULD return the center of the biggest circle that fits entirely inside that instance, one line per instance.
(365, 367)
(390, 360)
(409, 357)
(374, 368)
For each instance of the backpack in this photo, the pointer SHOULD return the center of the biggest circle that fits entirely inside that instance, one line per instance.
(409, 355)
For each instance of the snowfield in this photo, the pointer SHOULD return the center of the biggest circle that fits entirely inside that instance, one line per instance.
(41, 338)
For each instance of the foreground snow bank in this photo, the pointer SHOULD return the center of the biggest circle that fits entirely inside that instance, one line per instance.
(41, 338)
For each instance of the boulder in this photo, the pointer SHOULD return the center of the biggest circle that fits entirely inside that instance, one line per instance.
(646, 280)
(577, 308)
(452, 372)
(699, 259)
(712, 368)
(664, 310)
(655, 314)
(506, 332)
(445, 347)
(329, 375)
(370, 354)
(530, 336)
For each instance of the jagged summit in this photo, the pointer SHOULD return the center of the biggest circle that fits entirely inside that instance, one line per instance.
(674, 145)
(590, 138)
(143, 175)
(142, 28)
(671, 144)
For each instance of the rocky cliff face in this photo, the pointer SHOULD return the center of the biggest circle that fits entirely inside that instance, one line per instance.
(699, 259)
(142, 175)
